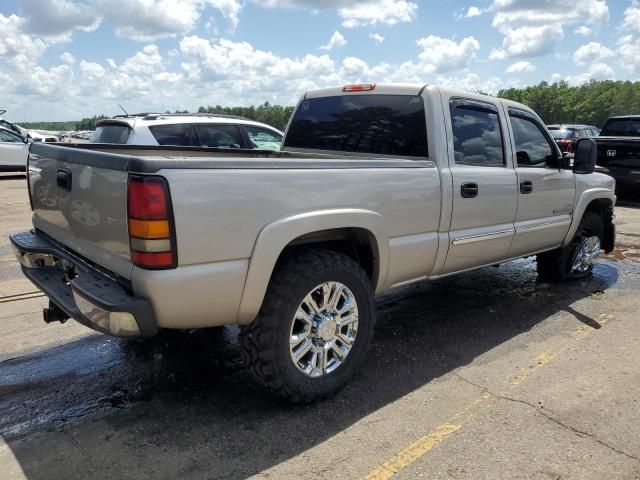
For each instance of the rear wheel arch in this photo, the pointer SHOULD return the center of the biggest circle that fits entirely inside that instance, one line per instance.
(356, 233)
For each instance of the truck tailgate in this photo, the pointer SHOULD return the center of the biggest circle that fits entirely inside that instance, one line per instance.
(83, 207)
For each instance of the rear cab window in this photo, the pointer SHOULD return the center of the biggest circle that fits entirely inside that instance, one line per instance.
(622, 127)
(376, 124)
(117, 133)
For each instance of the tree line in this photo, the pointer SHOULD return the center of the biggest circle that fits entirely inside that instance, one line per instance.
(591, 104)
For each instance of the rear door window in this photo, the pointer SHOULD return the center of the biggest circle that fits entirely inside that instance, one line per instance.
(177, 134)
(477, 136)
(219, 136)
(377, 124)
(263, 139)
(111, 133)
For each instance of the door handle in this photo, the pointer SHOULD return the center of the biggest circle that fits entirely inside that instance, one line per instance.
(63, 179)
(469, 190)
(526, 187)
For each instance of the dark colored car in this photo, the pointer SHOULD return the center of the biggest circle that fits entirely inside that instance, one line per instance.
(566, 135)
(619, 152)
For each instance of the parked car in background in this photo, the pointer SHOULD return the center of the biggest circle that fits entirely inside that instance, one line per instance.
(14, 150)
(188, 130)
(43, 137)
(567, 135)
(376, 186)
(619, 152)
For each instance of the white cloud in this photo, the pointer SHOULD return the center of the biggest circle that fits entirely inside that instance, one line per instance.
(146, 20)
(146, 61)
(526, 42)
(91, 70)
(356, 13)
(632, 17)
(376, 37)
(337, 40)
(532, 28)
(378, 12)
(629, 44)
(442, 54)
(473, 12)
(66, 57)
(592, 52)
(597, 71)
(58, 17)
(520, 67)
(583, 30)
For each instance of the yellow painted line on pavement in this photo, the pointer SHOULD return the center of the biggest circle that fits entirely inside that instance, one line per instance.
(431, 440)
(540, 361)
(426, 443)
(413, 452)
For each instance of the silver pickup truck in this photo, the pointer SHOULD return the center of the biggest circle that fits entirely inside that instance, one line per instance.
(377, 186)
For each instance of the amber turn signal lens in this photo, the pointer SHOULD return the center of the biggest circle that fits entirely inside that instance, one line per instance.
(151, 229)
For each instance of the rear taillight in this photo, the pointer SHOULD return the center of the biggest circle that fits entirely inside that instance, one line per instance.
(571, 147)
(151, 230)
(567, 145)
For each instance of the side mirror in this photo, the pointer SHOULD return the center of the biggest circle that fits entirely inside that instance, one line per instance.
(586, 156)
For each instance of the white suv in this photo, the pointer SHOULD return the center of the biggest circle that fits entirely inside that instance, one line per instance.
(188, 130)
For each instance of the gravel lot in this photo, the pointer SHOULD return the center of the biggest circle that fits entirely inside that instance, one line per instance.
(487, 375)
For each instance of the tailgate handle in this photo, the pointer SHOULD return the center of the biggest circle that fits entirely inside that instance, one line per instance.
(63, 179)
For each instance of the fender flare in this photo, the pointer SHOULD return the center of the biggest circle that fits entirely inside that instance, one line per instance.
(275, 237)
(585, 199)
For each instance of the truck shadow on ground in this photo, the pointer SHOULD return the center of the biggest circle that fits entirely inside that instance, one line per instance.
(182, 406)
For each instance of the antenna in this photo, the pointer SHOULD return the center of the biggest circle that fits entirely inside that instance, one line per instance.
(122, 108)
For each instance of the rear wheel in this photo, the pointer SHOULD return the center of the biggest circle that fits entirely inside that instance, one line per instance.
(314, 328)
(577, 259)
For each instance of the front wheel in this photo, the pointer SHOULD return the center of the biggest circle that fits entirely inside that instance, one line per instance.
(314, 328)
(577, 259)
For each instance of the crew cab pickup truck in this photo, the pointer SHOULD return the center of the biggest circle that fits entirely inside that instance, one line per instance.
(619, 152)
(377, 186)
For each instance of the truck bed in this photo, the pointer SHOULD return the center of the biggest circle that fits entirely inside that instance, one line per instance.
(222, 202)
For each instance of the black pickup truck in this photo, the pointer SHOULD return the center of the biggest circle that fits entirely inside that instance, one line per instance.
(619, 153)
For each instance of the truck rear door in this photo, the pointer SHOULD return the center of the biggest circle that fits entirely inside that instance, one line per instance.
(484, 184)
(79, 201)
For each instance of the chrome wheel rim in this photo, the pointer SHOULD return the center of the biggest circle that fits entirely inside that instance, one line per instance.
(324, 329)
(587, 255)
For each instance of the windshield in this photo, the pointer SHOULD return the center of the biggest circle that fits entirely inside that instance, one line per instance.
(378, 124)
(562, 133)
(622, 127)
(111, 134)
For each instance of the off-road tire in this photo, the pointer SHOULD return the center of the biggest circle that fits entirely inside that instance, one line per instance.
(555, 265)
(265, 342)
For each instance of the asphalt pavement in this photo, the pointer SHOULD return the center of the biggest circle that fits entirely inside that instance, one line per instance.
(487, 375)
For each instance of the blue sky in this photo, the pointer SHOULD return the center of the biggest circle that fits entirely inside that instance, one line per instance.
(66, 59)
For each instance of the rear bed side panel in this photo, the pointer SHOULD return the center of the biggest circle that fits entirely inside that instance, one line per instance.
(89, 215)
(220, 214)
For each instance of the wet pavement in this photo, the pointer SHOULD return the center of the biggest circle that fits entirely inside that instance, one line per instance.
(485, 375)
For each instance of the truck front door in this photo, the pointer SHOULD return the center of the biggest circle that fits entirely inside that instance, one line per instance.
(484, 186)
(545, 193)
